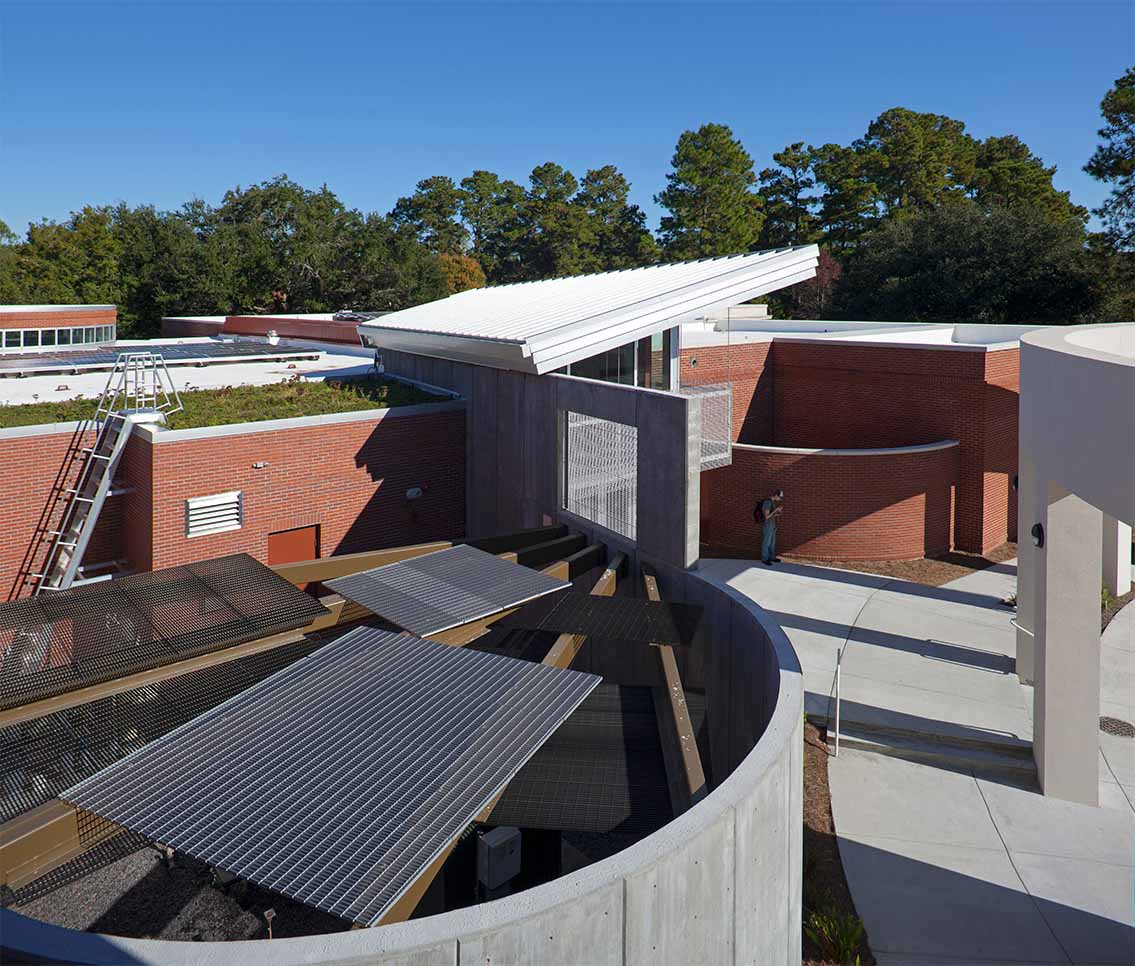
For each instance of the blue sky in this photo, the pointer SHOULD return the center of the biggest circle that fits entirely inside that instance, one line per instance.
(157, 102)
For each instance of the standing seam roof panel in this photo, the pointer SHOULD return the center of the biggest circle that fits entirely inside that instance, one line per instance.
(546, 316)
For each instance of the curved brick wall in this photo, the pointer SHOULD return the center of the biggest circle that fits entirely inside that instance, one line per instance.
(890, 504)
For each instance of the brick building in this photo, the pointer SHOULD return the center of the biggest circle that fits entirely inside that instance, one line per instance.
(324, 484)
(891, 441)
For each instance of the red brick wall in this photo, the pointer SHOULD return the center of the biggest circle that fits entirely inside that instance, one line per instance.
(891, 506)
(190, 328)
(843, 395)
(322, 330)
(349, 477)
(53, 320)
(1002, 395)
(31, 465)
(746, 365)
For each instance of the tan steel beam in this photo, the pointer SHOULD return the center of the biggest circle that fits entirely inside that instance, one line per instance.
(684, 771)
(38, 841)
(559, 655)
(327, 568)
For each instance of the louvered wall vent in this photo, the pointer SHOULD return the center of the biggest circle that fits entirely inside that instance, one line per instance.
(214, 514)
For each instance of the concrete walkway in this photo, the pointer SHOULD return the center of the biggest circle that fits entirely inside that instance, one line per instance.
(951, 853)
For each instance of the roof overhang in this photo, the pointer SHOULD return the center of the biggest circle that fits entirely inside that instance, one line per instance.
(574, 319)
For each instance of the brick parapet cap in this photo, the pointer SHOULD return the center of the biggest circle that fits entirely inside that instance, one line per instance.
(884, 451)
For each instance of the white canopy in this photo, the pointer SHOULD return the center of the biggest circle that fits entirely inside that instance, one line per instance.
(540, 326)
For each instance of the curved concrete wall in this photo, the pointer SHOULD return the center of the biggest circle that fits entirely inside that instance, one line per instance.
(718, 885)
(841, 504)
(1078, 412)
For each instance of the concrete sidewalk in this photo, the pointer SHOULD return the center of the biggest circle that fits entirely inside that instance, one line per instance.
(951, 853)
(931, 668)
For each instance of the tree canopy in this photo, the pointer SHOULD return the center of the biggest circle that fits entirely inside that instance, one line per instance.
(1114, 160)
(713, 209)
(917, 219)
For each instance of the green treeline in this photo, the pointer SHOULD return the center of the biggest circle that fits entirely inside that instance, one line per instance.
(917, 220)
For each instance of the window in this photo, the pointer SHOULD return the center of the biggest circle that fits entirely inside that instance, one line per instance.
(89, 334)
(64, 336)
(47, 337)
(615, 365)
(12, 339)
(31, 337)
(601, 472)
(214, 514)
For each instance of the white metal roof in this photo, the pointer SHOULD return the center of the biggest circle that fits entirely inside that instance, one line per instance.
(541, 326)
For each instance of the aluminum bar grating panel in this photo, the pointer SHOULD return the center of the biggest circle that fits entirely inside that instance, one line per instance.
(444, 589)
(338, 780)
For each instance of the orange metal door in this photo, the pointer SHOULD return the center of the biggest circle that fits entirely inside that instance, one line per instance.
(288, 546)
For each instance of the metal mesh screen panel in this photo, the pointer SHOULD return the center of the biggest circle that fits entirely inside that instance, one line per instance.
(61, 641)
(716, 422)
(338, 780)
(601, 472)
(42, 757)
(602, 771)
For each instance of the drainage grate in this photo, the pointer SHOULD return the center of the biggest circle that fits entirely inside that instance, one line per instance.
(1114, 726)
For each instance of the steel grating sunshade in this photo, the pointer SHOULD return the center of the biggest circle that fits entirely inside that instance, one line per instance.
(338, 780)
(69, 639)
(444, 589)
(633, 619)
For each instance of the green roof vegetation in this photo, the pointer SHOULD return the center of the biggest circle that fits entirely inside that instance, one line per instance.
(245, 404)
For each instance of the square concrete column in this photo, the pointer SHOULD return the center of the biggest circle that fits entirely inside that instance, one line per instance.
(1031, 508)
(1116, 556)
(1066, 697)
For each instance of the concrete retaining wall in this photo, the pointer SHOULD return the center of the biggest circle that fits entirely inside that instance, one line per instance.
(721, 884)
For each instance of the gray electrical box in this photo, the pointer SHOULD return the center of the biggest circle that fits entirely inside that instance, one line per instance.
(498, 857)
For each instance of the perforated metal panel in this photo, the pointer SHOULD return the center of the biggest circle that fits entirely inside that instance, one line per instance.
(716, 422)
(340, 779)
(601, 472)
(444, 589)
(69, 639)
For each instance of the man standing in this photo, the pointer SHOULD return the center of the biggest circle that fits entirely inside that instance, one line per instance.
(767, 511)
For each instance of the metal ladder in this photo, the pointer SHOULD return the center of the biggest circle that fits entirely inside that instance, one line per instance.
(138, 390)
